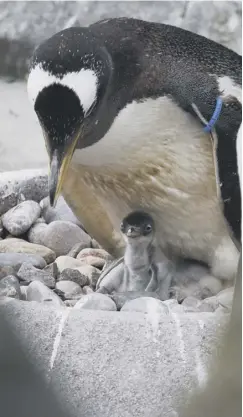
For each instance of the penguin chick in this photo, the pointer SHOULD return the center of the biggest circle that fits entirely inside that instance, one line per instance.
(138, 270)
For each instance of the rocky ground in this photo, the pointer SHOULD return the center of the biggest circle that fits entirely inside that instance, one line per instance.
(127, 354)
(47, 257)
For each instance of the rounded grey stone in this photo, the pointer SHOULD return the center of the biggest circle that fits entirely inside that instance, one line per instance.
(69, 288)
(96, 302)
(225, 297)
(70, 303)
(6, 270)
(36, 233)
(37, 291)
(76, 249)
(60, 212)
(146, 305)
(19, 219)
(23, 292)
(9, 287)
(15, 260)
(29, 273)
(87, 289)
(22, 246)
(75, 276)
(61, 236)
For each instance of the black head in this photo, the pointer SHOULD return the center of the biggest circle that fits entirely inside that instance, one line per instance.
(137, 224)
(68, 79)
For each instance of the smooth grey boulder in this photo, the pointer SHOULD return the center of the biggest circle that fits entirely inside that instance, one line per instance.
(37, 291)
(36, 233)
(225, 297)
(15, 260)
(90, 273)
(69, 288)
(75, 276)
(110, 364)
(22, 246)
(20, 218)
(61, 236)
(87, 290)
(96, 302)
(76, 249)
(29, 273)
(67, 262)
(60, 212)
(6, 270)
(9, 287)
(16, 186)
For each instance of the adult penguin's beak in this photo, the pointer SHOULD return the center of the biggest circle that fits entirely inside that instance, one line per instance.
(59, 163)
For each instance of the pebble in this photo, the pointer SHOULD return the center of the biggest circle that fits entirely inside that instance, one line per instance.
(9, 287)
(225, 297)
(21, 246)
(87, 290)
(20, 218)
(31, 184)
(121, 298)
(96, 302)
(191, 304)
(23, 292)
(91, 273)
(69, 288)
(210, 303)
(29, 273)
(15, 260)
(37, 291)
(52, 270)
(37, 232)
(88, 271)
(70, 303)
(75, 276)
(61, 236)
(96, 253)
(93, 261)
(67, 262)
(76, 249)
(60, 212)
(146, 305)
(6, 270)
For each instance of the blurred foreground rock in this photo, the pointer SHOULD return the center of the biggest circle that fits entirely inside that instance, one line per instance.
(108, 363)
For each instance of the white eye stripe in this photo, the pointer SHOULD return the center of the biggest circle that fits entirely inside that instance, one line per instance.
(84, 84)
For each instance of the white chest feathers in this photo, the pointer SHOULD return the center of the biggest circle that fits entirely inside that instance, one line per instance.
(143, 131)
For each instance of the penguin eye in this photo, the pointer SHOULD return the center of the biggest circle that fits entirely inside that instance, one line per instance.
(148, 228)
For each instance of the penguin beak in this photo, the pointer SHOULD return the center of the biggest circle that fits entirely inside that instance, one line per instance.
(133, 232)
(59, 163)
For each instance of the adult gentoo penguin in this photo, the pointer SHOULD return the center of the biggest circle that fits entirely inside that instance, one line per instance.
(119, 103)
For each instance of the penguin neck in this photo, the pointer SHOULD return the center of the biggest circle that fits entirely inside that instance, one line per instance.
(138, 255)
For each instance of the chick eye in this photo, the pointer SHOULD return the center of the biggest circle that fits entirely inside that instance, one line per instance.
(148, 228)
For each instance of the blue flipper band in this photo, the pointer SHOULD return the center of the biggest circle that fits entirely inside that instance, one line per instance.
(215, 116)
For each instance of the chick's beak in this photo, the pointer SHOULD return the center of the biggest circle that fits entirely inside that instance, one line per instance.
(59, 163)
(133, 232)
